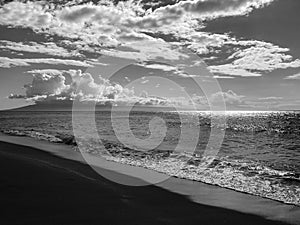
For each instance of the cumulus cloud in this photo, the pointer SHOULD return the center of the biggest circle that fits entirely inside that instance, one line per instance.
(6, 62)
(51, 84)
(230, 98)
(124, 24)
(120, 28)
(104, 25)
(29, 14)
(127, 30)
(78, 13)
(44, 84)
(199, 100)
(202, 42)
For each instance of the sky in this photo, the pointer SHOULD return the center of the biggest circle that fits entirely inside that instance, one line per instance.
(244, 54)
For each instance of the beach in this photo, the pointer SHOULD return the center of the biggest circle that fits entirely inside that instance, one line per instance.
(156, 112)
(39, 187)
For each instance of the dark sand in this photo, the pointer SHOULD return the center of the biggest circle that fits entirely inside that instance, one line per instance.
(37, 187)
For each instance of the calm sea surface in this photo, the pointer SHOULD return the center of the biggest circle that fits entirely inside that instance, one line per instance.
(260, 153)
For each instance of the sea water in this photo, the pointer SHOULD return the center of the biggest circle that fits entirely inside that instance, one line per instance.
(260, 153)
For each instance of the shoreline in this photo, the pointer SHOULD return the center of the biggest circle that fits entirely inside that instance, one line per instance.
(198, 194)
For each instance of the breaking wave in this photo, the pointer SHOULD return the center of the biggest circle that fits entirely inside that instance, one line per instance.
(237, 174)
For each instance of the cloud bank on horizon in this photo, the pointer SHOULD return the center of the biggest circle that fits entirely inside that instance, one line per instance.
(68, 37)
(52, 85)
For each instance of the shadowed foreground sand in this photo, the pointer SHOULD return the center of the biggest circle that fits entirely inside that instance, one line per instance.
(39, 188)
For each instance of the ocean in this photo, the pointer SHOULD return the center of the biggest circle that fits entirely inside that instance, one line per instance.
(260, 153)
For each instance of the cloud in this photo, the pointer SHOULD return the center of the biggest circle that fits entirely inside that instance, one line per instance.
(29, 14)
(126, 23)
(133, 37)
(230, 69)
(223, 77)
(77, 14)
(128, 30)
(146, 50)
(264, 57)
(271, 98)
(144, 81)
(51, 84)
(203, 42)
(114, 27)
(199, 100)
(6, 62)
(127, 79)
(102, 25)
(163, 67)
(229, 97)
(47, 85)
(211, 9)
(173, 70)
(255, 58)
(48, 48)
(293, 77)
(272, 103)
(47, 71)
(50, 87)
(185, 75)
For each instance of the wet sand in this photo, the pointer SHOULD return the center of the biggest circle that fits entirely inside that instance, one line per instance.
(38, 187)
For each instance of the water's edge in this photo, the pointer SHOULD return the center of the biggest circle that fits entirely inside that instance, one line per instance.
(235, 174)
(197, 191)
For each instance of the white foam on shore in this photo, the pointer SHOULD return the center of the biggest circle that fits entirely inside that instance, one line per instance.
(196, 191)
(240, 175)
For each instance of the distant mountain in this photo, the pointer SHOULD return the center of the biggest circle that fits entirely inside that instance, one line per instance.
(68, 106)
(42, 107)
(47, 106)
